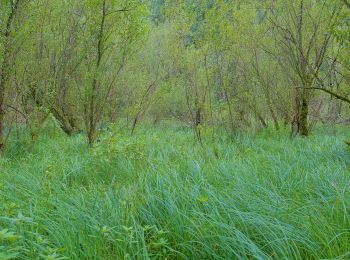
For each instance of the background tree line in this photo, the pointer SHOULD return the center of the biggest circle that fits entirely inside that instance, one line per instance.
(218, 64)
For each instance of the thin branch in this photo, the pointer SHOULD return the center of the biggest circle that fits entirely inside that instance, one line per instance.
(336, 95)
(118, 11)
(18, 111)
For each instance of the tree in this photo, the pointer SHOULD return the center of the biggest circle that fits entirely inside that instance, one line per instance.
(303, 37)
(11, 6)
(110, 34)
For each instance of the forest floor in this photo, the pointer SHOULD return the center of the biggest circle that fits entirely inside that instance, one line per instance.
(160, 195)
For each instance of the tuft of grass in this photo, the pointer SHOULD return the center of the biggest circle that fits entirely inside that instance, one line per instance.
(160, 195)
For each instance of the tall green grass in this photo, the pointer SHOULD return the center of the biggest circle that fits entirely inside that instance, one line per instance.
(160, 195)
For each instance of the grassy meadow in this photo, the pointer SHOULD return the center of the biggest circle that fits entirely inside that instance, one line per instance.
(160, 195)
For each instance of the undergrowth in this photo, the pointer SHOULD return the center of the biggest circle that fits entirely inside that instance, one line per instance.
(160, 195)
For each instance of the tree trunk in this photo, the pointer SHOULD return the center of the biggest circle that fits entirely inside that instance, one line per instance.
(302, 106)
(3, 79)
(286, 119)
(94, 108)
(274, 118)
(304, 114)
(233, 129)
(261, 119)
(91, 135)
(136, 119)
(5, 69)
(66, 123)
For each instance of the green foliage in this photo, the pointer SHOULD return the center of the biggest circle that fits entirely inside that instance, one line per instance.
(207, 182)
(342, 31)
(159, 195)
(114, 145)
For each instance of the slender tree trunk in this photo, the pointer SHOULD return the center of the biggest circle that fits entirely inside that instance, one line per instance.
(3, 81)
(230, 110)
(67, 123)
(136, 119)
(197, 118)
(93, 113)
(286, 120)
(5, 68)
(274, 118)
(261, 119)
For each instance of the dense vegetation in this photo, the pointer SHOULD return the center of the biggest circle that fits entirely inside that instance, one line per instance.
(159, 195)
(174, 129)
(227, 64)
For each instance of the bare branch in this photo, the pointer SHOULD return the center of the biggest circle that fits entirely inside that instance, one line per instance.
(336, 95)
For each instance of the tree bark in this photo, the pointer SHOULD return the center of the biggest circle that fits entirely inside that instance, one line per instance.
(5, 68)
(302, 107)
(304, 114)
(92, 120)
